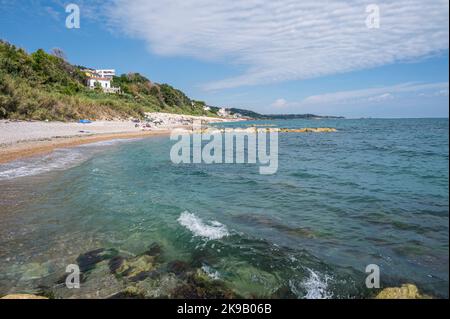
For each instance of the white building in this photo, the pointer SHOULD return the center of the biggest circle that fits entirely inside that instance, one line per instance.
(223, 112)
(102, 79)
(104, 83)
(108, 73)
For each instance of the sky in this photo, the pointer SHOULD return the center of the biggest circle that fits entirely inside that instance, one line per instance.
(352, 58)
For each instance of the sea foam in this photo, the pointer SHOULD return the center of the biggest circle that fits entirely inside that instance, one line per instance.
(59, 159)
(210, 230)
(316, 286)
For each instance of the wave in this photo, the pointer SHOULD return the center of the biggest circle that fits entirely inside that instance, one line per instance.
(316, 286)
(211, 230)
(213, 274)
(59, 159)
(111, 142)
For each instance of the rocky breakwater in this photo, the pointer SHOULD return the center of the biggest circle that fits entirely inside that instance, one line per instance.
(253, 129)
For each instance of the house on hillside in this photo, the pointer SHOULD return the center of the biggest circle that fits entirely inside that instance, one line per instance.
(109, 74)
(102, 79)
(223, 112)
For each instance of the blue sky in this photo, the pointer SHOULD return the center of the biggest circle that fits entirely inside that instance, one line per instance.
(281, 56)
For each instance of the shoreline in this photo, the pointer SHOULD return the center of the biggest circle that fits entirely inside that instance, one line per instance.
(32, 148)
(23, 139)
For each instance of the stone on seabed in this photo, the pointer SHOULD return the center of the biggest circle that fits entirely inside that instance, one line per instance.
(22, 296)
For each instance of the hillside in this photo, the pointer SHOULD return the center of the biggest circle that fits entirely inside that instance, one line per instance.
(43, 86)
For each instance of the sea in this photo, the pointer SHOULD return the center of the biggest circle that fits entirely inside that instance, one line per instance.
(375, 192)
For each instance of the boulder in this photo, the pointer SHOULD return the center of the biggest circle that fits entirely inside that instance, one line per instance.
(406, 291)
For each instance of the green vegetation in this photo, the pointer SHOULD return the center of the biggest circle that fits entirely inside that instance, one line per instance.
(43, 86)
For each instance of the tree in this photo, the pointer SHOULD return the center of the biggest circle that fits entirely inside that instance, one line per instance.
(59, 53)
(98, 87)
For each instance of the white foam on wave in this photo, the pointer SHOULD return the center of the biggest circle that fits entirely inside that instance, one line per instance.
(110, 142)
(211, 230)
(59, 159)
(213, 274)
(316, 286)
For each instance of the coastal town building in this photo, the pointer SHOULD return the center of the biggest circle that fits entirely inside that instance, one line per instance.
(109, 74)
(101, 79)
(223, 112)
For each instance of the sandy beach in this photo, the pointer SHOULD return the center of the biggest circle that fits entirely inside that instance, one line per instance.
(19, 139)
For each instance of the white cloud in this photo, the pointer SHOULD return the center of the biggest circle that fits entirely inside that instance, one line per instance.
(52, 12)
(286, 39)
(375, 95)
(279, 103)
(442, 92)
(381, 97)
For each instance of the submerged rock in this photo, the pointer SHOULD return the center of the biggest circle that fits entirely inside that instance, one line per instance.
(406, 291)
(33, 271)
(199, 285)
(252, 219)
(159, 287)
(115, 263)
(144, 275)
(135, 266)
(99, 283)
(129, 293)
(284, 292)
(23, 296)
(154, 249)
(178, 267)
(87, 261)
(252, 282)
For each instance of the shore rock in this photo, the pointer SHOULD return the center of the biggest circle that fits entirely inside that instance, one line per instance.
(406, 291)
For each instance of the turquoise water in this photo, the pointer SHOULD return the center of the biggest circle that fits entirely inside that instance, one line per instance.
(374, 192)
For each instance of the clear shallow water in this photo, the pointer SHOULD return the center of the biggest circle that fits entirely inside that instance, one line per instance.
(375, 192)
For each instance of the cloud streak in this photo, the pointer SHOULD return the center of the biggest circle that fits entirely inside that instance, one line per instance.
(284, 40)
(373, 95)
